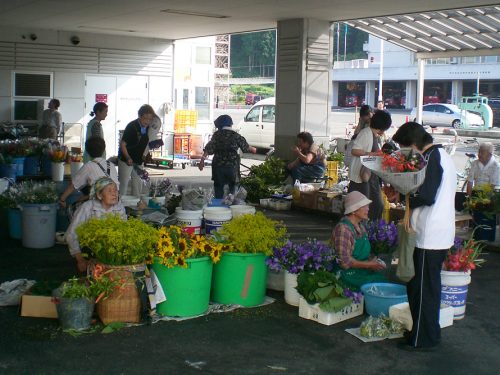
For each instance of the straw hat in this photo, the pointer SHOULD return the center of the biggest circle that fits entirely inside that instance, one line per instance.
(353, 201)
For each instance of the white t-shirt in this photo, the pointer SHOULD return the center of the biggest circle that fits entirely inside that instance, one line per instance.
(90, 173)
(485, 174)
(364, 141)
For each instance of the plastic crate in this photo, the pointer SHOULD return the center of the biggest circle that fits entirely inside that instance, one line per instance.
(185, 120)
(313, 312)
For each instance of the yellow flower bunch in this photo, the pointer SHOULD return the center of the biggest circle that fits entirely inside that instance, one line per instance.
(175, 246)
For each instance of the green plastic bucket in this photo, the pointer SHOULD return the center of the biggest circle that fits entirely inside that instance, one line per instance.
(187, 289)
(240, 279)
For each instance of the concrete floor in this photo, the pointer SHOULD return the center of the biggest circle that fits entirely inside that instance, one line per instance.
(266, 340)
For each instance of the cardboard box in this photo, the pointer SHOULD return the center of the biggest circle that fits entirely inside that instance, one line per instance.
(338, 205)
(324, 200)
(38, 306)
(307, 200)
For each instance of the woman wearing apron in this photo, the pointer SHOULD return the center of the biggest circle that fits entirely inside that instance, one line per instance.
(357, 266)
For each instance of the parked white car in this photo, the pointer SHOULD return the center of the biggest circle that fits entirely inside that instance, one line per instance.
(258, 125)
(440, 114)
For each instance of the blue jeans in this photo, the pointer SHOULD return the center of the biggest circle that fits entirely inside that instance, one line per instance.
(226, 175)
(307, 172)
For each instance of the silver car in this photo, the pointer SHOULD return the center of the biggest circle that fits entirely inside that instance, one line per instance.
(441, 114)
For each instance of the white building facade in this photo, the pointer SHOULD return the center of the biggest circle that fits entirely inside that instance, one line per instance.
(446, 79)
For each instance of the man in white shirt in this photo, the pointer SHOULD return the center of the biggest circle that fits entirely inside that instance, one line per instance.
(484, 170)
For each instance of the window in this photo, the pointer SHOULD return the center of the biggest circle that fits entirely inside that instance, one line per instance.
(32, 84)
(441, 109)
(203, 55)
(268, 113)
(202, 102)
(429, 108)
(185, 99)
(253, 115)
(26, 110)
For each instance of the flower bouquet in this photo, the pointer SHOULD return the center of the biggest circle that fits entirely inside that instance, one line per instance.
(383, 236)
(175, 246)
(404, 169)
(30, 192)
(484, 199)
(464, 255)
(117, 242)
(57, 154)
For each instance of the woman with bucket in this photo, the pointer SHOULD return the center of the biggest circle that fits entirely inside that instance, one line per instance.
(224, 146)
(350, 241)
(433, 220)
(94, 127)
(103, 200)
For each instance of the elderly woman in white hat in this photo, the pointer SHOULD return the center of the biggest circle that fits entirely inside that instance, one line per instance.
(350, 241)
(103, 200)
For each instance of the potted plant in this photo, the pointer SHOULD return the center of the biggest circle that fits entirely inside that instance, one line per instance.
(38, 202)
(7, 167)
(240, 276)
(120, 247)
(334, 161)
(75, 299)
(263, 180)
(463, 257)
(307, 256)
(483, 204)
(182, 262)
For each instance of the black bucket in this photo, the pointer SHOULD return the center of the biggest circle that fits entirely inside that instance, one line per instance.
(74, 313)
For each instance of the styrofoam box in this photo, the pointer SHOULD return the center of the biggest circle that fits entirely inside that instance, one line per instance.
(401, 313)
(313, 312)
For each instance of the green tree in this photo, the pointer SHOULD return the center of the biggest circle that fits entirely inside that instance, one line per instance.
(355, 40)
(253, 54)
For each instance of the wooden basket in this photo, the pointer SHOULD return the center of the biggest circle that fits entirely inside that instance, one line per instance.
(124, 305)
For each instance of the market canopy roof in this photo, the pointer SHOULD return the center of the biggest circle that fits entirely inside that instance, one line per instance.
(467, 31)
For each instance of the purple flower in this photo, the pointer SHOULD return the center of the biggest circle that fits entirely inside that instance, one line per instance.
(383, 236)
(310, 255)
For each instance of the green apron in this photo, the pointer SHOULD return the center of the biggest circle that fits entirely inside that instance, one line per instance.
(353, 278)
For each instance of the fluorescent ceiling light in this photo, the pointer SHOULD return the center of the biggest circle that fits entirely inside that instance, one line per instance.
(491, 38)
(107, 29)
(431, 28)
(371, 32)
(493, 18)
(478, 41)
(386, 32)
(401, 30)
(461, 23)
(419, 46)
(192, 13)
(447, 43)
(432, 44)
(415, 29)
(448, 27)
(494, 29)
(401, 44)
(461, 41)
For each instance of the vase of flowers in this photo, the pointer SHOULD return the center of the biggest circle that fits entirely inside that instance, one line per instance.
(456, 274)
(183, 263)
(76, 163)
(121, 248)
(240, 276)
(38, 203)
(307, 256)
(57, 156)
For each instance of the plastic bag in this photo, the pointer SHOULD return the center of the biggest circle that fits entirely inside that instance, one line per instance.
(11, 291)
(195, 199)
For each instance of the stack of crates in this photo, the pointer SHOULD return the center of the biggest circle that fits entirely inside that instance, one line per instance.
(332, 172)
(185, 121)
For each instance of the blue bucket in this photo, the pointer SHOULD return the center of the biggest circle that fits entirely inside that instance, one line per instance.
(216, 202)
(19, 162)
(14, 218)
(8, 171)
(46, 166)
(379, 297)
(31, 165)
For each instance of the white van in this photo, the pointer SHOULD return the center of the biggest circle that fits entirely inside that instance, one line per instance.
(258, 125)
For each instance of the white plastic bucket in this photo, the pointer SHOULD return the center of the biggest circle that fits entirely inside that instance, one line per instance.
(292, 297)
(57, 172)
(75, 167)
(454, 287)
(190, 220)
(242, 209)
(215, 217)
(39, 225)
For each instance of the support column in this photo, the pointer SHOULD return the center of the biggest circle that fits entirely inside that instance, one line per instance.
(335, 93)
(370, 93)
(456, 91)
(411, 94)
(420, 88)
(303, 82)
